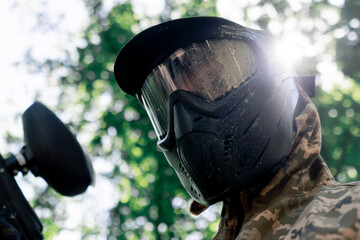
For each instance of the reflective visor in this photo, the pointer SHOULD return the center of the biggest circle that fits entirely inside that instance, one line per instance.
(208, 69)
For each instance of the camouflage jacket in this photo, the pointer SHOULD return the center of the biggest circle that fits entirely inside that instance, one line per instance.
(302, 201)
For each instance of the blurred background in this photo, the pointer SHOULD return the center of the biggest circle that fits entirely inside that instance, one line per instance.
(62, 53)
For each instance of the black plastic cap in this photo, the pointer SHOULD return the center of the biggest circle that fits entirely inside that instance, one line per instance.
(57, 155)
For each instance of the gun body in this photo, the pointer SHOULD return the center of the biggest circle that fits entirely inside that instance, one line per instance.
(15, 209)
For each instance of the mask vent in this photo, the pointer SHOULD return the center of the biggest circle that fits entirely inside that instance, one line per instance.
(228, 139)
(192, 189)
(183, 170)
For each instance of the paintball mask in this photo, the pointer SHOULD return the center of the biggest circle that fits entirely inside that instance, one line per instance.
(220, 102)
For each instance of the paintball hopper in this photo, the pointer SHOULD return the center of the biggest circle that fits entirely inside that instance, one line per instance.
(52, 152)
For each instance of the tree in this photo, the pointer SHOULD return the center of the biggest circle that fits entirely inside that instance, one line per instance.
(148, 187)
(152, 203)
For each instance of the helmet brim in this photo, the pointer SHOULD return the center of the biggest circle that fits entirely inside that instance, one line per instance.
(150, 47)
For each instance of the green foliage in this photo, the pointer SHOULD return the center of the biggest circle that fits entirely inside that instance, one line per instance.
(340, 115)
(348, 46)
(146, 183)
(192, 8)
(152, 203)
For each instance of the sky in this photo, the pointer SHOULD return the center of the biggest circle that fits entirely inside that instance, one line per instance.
(19, 21)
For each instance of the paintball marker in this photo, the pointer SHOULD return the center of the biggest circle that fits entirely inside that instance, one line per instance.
(52, 152)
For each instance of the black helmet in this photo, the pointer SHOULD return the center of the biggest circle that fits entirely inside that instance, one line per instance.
(221, 103)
